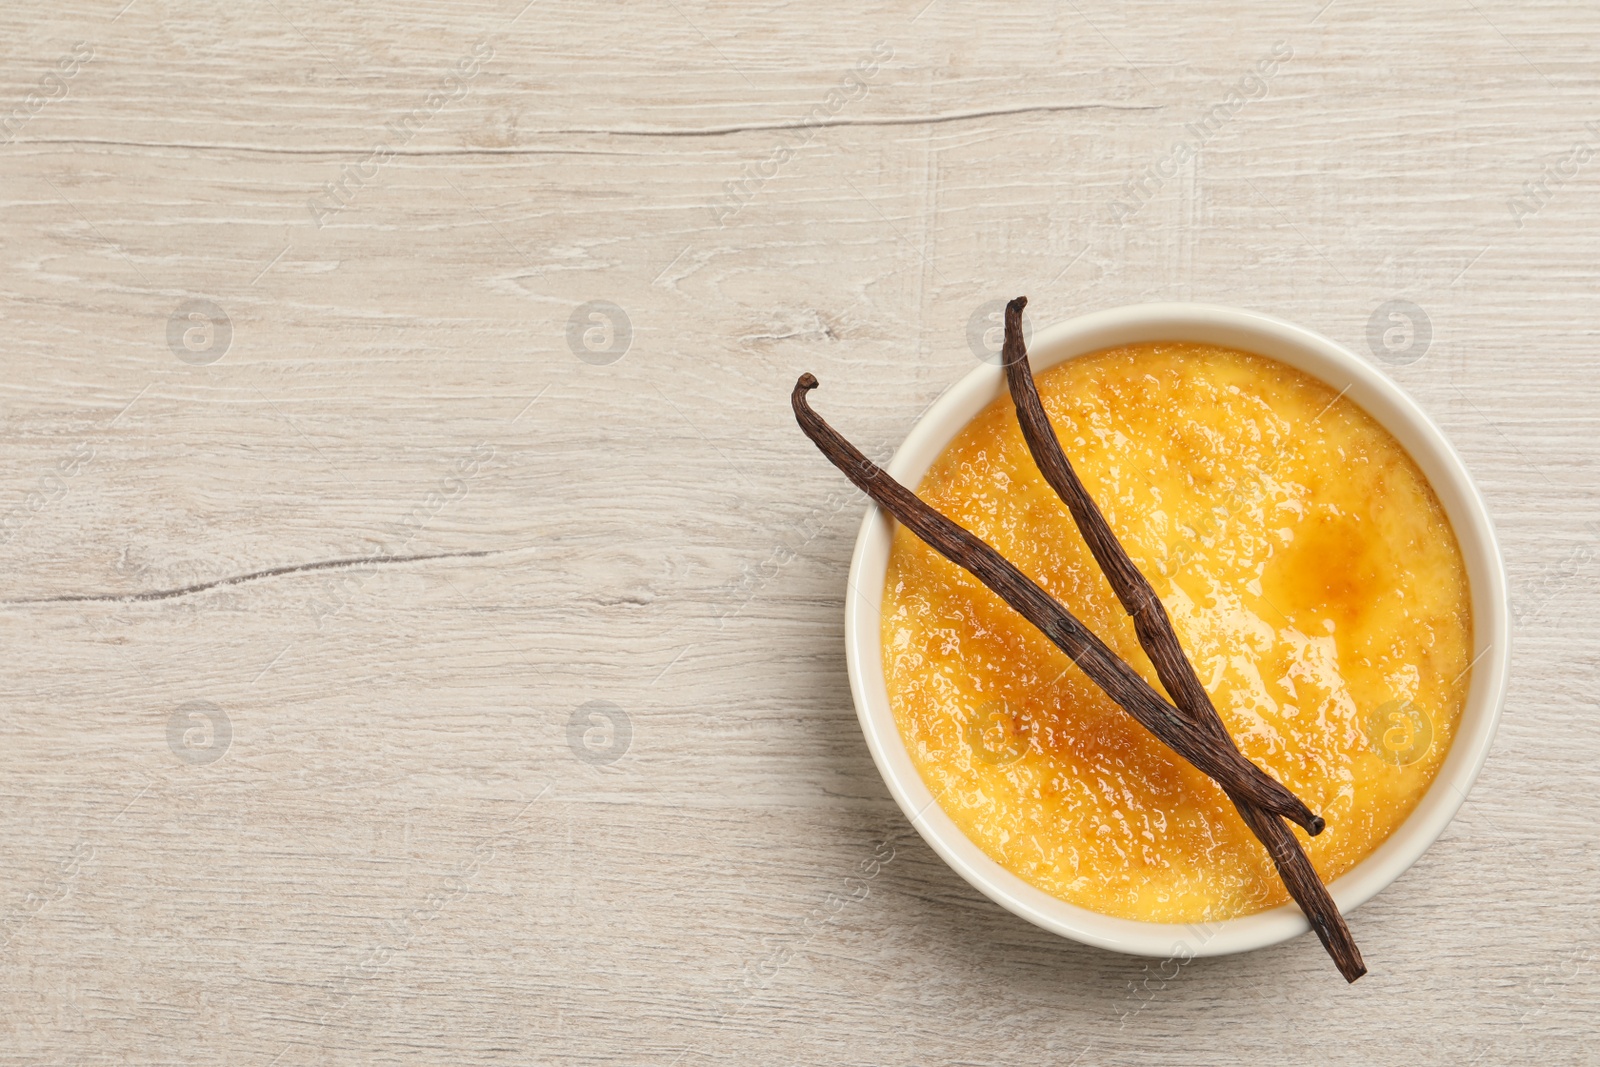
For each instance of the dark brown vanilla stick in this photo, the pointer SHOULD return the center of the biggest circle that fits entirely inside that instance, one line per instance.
(1218, 759)
(1160, 642)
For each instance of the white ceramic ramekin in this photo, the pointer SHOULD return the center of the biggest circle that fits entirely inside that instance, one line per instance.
(1379, 397)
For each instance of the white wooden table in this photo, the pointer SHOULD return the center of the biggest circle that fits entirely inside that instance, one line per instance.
(332, 502)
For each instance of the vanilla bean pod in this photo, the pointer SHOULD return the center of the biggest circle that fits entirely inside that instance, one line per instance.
(1216, 758)
(1160, 642)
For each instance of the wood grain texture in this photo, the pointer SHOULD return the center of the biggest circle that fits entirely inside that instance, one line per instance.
(399, 853)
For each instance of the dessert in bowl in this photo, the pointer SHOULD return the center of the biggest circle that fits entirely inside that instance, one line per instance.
(1326, 561)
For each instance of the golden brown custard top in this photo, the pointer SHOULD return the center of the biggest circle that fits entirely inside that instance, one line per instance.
(1313, 580)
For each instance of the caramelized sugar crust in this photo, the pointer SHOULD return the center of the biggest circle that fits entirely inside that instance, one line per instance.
(1313, 579)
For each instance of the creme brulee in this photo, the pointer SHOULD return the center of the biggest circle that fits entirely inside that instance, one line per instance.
(1313, 579)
